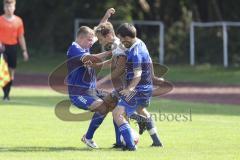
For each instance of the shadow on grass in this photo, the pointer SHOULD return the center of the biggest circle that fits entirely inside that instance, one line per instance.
(49, 149)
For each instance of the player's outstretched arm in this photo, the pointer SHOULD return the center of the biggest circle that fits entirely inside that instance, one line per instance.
(96, 58)
(102, 65)
(107, 15)
(103, 54)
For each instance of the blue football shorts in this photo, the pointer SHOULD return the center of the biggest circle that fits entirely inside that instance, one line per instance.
(135, 100)
(85, 100)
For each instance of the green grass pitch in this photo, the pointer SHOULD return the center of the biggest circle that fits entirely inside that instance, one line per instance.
(30, 130)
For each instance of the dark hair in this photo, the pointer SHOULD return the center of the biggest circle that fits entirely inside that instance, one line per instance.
(127, 29)
(84, 30)
(103, 29)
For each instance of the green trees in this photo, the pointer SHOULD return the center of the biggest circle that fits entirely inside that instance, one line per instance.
(49, 23)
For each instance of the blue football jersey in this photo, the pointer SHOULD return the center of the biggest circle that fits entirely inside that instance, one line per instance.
(79, 77)
(138, 57)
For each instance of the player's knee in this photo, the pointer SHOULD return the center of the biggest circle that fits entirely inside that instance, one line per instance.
(110, 102)
(96, 104)
(100, 107)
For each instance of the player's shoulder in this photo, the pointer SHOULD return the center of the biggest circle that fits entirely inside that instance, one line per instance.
(140, 43)
(18, 19)
(133, 50)
(136, 44)
(75, 49)
(117, 43)
(76, 46)
(117, 48)
(138, 48)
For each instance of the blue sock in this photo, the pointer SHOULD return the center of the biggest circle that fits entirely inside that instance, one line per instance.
(152, 131)
(117, 133)
(96, 121)
(125, 130)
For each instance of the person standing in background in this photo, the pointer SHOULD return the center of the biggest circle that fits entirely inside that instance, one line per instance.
(11, 34)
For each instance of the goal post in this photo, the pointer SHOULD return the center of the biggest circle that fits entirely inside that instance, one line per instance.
(224, 26)
(158, 24)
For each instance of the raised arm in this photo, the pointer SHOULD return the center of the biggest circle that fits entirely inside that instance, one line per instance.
(107, 15)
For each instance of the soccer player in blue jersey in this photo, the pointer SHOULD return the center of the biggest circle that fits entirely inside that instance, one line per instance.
(138, 92)
(105, 34)
(81, 80)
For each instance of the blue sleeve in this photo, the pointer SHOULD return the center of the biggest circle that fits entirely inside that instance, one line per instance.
(137, 60)
(75, 52)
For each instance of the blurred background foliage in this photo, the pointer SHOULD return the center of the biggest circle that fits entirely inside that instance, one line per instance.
(49, 24)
